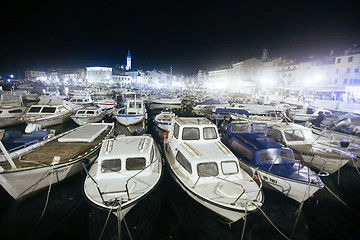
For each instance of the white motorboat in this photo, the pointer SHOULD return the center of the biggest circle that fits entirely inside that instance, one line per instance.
(127, 170)
(49, 112)
(81, 100)
(208, 171)
(133, 112)
(308, 113)
(35, 167)
(301, 140)
(107, 104)
(163, 120)
(165, 101)
(88, 115)
(11, 108)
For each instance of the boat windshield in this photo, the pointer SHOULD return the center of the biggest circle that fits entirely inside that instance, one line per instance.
(209, 133)
(239, 128)
(260, 127)
(136, 163)
(48, 110)
(90, 112)
(207, 169)
(229, 167)
(110, 165)
(191, 133)
(81, 112)
(273, 154)
(294, 135)
(34, 109)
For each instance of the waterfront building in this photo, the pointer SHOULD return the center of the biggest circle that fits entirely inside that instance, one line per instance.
(32, 75)
(121, 79)
(98, 74)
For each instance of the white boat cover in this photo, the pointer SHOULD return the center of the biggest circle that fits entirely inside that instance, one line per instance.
(86, 133)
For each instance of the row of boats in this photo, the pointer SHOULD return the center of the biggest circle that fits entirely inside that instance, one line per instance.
(221, 166)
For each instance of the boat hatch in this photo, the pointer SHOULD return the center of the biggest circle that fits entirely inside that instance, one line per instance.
(87, 133)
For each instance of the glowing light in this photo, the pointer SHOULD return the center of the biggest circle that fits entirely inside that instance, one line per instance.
(12, 76)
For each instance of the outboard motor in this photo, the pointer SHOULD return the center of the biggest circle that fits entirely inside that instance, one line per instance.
(32, 127)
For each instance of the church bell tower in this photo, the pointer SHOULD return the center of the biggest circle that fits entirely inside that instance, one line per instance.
(128, 61)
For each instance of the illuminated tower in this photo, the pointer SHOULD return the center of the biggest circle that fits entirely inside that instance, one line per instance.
(128, 61)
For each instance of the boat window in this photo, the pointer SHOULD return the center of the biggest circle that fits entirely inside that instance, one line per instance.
(260, 128)
(191, 133)
(111, 165)
(286, 155)
(135, 163)
(15, 111)
(138, 105)
(229, 167)
(268, 155)
(176, 130)
(238, 128)
(310, 110)
(210, 133)
(207, 169)
(131, 104)
(308, 134)
(48, 110)
(183, 161)
(81, 112)
(34, 109)
(294, 135)
(275, 134)
(90, 112)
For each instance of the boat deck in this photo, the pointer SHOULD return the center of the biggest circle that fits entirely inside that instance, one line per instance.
(44, 155)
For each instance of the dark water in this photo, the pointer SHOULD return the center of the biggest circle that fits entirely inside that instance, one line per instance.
(168, 213)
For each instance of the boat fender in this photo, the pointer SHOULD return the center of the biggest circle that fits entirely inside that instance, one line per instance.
(255, 177)
(166, 134)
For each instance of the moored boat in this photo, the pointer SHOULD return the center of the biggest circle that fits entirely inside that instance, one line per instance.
(30, 169)
(133, 112)
(127, 170)
(88, 115)
(208, 171)
(163, 120)
(269, 160)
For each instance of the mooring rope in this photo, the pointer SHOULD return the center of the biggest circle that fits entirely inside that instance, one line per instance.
(276, 228)
(245, 217)
(48, 193)
(338, 198)
(106, 222)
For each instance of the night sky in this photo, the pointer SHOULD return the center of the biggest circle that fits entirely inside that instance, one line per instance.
(186, 35)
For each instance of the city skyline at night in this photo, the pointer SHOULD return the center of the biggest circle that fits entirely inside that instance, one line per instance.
(160, 35)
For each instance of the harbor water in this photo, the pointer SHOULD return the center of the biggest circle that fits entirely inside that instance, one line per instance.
(62, 212)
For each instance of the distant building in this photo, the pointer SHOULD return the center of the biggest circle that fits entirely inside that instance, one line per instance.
(128, 61)
(98, 74)
(32, 75)
(346, 71)
(121, 78)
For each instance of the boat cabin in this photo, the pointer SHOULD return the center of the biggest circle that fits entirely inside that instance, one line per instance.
(87, 112)
(251, 143)
(291, 134)
(46, 109)
(197, 149)
(124, 156)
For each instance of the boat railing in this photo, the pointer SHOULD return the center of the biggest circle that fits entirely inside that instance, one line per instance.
(136, 174)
